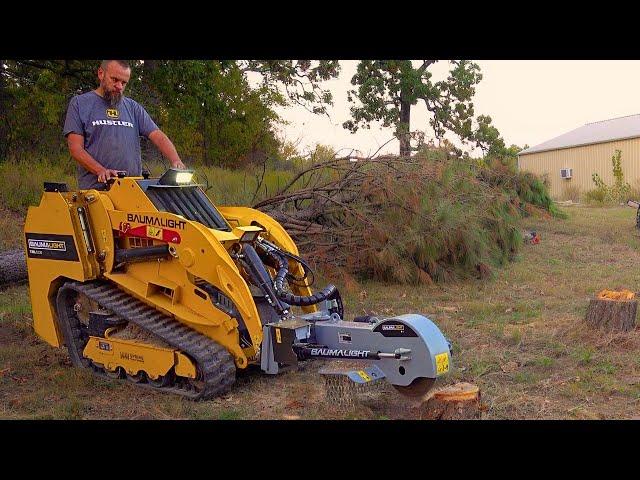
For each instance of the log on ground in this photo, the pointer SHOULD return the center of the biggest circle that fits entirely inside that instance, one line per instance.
(13, 268)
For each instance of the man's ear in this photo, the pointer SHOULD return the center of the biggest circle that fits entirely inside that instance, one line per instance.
(100, 73)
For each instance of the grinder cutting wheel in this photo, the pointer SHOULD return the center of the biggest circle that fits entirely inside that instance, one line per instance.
(177, 294)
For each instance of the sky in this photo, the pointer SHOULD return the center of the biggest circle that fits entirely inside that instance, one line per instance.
(530, 101)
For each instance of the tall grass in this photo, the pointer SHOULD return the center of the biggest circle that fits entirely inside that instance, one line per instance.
(21, 182)
(572, 192)
(241, 187)
(224, 186)
(597, 196)
(11, 226)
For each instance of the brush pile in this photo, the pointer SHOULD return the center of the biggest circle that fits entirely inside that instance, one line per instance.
(531, 190)
(431, 217)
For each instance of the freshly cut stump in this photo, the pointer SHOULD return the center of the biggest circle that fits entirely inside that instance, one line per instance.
(455, 402)
(613, 312)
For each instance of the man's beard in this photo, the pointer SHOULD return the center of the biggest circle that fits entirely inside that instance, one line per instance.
(112, 97)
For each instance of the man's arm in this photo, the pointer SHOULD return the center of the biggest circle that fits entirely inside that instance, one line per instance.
(166, 147)
(80, 155)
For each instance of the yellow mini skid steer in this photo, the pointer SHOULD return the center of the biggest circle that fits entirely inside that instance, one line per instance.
(148, 280)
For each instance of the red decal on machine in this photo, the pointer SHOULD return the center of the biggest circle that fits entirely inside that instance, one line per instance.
(151, 232)
(140, 231)
(170, 236)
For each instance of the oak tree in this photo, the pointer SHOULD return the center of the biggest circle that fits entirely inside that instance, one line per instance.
(386, 90)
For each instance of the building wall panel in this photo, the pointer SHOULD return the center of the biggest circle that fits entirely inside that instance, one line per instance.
(585, 161)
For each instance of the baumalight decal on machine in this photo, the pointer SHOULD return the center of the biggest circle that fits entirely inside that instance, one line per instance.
(155, 221)
(338, 352)
(51, 247)
(395, 329)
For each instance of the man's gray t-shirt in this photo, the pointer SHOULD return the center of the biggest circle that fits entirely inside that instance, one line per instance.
(111, 134)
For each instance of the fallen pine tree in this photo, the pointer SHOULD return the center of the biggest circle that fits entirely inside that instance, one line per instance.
(430, 217)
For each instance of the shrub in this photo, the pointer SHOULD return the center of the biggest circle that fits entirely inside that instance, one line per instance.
(572, 192)
(597, 195)
(619, 192)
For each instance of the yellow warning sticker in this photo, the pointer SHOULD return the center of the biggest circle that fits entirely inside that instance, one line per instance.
(364, 375)
(278, 337)
(442, 363)
(154, 232)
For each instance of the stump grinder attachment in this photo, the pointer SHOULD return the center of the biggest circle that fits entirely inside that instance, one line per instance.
(147, 280)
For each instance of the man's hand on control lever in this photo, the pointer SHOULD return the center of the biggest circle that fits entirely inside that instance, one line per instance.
(107, 173)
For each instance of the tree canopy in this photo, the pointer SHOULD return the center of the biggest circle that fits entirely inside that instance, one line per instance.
(387, 89)
(218, 112)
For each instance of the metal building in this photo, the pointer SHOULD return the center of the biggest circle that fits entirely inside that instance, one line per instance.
(571, 159)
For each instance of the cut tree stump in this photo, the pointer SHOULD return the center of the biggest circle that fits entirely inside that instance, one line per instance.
(455, 402)
(612, 314)
(13, 268)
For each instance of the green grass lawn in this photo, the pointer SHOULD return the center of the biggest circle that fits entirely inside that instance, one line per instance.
(519, 336)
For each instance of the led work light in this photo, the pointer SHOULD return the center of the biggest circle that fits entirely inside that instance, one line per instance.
(173, 176)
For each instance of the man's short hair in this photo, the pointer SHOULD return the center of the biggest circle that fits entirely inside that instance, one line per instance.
(122, 63)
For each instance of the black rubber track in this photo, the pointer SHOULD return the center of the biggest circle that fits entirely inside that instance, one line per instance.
(215, 365)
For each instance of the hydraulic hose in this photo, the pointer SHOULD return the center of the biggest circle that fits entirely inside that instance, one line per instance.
(283, 269)
(256, 269)
(305, 267)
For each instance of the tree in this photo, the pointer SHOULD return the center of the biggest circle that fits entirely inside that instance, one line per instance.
(300, 80)
(36, 93)
(211, 109)
(488, 139)
(387, 89)
(5, 100)
(218, 115)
